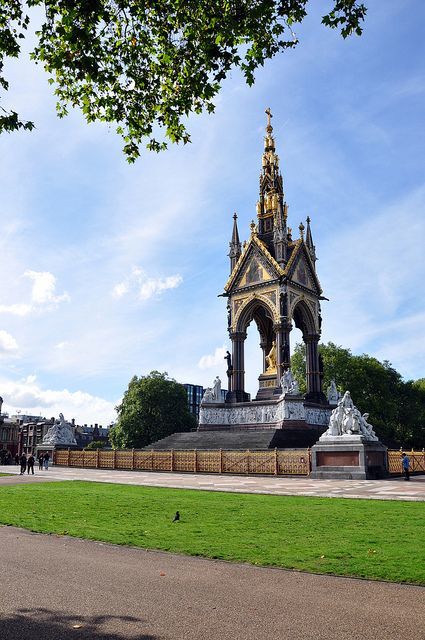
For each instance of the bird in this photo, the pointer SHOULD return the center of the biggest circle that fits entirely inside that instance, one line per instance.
(176, 517)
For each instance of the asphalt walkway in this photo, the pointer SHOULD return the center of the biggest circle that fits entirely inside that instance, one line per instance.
(59, 588)
(391, 489)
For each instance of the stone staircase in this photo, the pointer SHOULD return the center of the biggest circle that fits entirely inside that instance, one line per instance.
(241, 439)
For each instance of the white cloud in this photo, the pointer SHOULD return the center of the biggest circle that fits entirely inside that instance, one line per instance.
(29, 397)
(43, 288)
(20, 309)
(61, 345)
(7, 342)
(213, 360)
(143, 286)
(43, 296)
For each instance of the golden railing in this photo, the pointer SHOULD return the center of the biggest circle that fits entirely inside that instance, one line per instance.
(273, 462)
(416, 460)
(278, 462)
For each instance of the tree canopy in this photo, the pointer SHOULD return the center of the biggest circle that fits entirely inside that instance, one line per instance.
(152, 408)
(146, 65)
(397, 408)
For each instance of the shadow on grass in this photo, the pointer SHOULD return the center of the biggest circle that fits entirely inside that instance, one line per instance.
(27, 624)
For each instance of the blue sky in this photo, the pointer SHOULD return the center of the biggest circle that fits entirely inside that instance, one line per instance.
(110, 270)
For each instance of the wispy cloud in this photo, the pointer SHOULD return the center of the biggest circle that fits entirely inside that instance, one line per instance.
(7, 343)
(143, 286)
(213, 360)
(43, 288)
(30, 397)
(43, 296)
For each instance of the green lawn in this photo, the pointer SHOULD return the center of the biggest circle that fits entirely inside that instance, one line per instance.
(375, 539)
(6, 474)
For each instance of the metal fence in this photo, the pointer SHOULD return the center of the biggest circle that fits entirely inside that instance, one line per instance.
(277, 462)
(274, 462)
(416, 458)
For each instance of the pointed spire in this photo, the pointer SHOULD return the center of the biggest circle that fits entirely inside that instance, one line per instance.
(271, 206)
(235, 234)
(309, 241)
(235, 245)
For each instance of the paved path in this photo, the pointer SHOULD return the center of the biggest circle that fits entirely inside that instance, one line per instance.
(392, 489)
(59, 588)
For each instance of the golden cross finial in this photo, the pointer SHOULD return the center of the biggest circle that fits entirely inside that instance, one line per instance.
(269, 117)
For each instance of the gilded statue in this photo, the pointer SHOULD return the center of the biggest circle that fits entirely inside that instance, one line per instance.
(271, 359)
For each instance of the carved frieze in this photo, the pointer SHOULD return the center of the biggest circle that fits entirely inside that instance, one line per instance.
(283, 410)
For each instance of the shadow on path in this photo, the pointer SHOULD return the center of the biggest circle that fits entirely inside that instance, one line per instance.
(27, 624)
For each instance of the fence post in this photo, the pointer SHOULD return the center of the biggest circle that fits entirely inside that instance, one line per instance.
(69, 456)
(115, 459)
(172, 459)
(247, 462)
(97, 458)
(309, 461)
(276, 466)
(221, 460)
(195, 460)
(132, 459)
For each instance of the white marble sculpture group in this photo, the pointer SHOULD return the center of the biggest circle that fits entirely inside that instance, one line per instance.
(346, 420)
(212, 395)
(62, 432)
(289, 384)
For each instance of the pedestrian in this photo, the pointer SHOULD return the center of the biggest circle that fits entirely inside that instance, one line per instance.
(40, 461)
(405, 463)
(30, 463)
(23, 463)
(46, 459)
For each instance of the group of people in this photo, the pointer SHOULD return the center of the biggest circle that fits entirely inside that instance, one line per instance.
(27, 462)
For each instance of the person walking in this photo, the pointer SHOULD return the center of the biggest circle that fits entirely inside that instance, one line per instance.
(46, 459)
(30, 463)
(40, 461)
(405, 463)
(23, 463)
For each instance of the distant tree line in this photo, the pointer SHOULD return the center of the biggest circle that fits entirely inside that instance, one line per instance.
(396, 407)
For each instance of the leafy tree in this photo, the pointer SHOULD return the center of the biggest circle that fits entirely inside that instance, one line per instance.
(96, 444)
(397, 408)
(144, 65)
(153, 407)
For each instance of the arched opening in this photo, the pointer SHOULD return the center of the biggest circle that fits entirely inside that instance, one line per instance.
(257, 319)
(298, 367)
(253, 356)
(304, 321)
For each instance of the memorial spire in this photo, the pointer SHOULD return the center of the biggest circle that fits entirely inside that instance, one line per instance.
(271, 208)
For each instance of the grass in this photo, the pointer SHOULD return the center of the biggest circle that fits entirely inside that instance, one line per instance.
(376, 539)
(6, 474)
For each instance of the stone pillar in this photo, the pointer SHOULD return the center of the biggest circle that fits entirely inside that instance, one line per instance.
(283, 349)
(314, 382)
(237, 392)
(277, 328)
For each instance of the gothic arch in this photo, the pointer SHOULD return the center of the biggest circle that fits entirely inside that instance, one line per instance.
(303, 318)
(258, 308)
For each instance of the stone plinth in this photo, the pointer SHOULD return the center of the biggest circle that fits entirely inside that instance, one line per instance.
(268, 386)
(349, 457)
